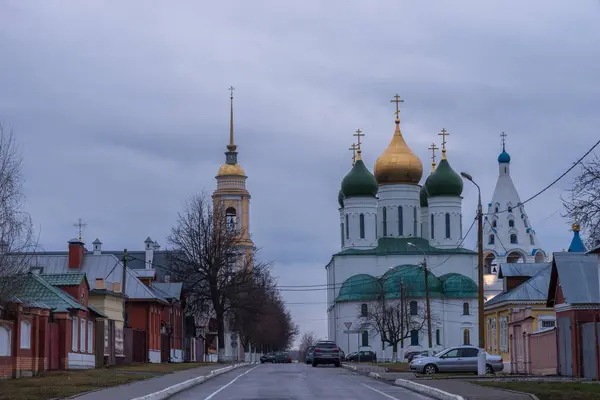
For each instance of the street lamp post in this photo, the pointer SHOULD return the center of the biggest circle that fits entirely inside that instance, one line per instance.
(427, 301)
(481, 361)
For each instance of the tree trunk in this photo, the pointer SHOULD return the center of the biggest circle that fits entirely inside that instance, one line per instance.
(395, 352)
(220, 338)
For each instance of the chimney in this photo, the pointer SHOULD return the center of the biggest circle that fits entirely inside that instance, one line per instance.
(97, 247)
(149, 252)
(100, 284)
(76, 251)
(117, 287)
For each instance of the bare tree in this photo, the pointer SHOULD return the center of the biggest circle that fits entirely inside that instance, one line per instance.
(393, 320)
(219, 273)
(308, 340)
(584, 203)
(16, 231)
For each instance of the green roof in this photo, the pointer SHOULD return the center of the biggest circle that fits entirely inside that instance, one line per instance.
(412, 277)
(360, 287)
(444, 181)
(359, 181)
(341, 198)
(423, 196)
(66, 279)
(396, 245)
(35, 289)
(458, 286)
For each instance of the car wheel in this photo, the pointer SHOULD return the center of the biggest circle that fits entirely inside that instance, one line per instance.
(314, 364)
(430, 369)
(337, 364)
(488, 369)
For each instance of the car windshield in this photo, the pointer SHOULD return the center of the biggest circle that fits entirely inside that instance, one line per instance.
(441, 353)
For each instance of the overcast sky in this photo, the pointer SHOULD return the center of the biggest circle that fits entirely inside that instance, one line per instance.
(121, 110)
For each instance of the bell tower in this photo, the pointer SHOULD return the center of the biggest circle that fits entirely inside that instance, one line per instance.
(231, 194)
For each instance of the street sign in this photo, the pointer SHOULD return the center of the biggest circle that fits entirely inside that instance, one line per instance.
(348, 324)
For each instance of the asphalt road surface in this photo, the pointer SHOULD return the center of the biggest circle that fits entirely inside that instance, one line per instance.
(294, 382)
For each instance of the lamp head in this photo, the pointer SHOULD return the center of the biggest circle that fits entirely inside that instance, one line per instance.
(466, 176)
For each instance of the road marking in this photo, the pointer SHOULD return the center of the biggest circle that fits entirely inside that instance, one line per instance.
(380, 392)
(210, 396)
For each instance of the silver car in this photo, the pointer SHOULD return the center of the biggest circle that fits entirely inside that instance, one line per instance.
(456, 359)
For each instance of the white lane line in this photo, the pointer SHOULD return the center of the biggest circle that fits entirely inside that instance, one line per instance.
(380, 392)
(210, 396)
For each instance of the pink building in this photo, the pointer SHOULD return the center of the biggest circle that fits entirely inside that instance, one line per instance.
(534, 349)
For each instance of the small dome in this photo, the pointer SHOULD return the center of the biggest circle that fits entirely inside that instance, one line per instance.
(341, 198)
(231, 169)
(413, 279)
(504, 157)
(444, 181)
(458, 286)
(359, 181)
(398, 164)
(361, 287)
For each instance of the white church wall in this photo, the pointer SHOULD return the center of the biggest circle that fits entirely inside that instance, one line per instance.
(438, 208)
(354, 207)
(407, 197)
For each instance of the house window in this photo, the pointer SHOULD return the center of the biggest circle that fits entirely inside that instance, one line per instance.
(546, 321)
(465, 308)
(548, 324)
(438, 339)
(414, 309)
(347, 228)
(491, 239)
(5, 341)
(83, 298)
(447, 225)
(82, 335)
(75, 333)
(231, 218)
(432, 228)
(365, 338)
(90, 337)
(503, 334)
(415, 221)
(364, 310)
(362, 226)
(494, 336)
(511, 223)
(25, 334)
(400, 221)
(384, 212)
(466, 337)
(513, 238)
(414, 338)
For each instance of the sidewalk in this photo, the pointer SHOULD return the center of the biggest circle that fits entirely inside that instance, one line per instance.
(147, 386)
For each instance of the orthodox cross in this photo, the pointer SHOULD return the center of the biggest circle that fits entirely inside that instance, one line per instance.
(231, 89)
(443, 134)
(503, 138)
(397, 101)
(358, 134)
(80, 225)
(353, 148)
(433, 148)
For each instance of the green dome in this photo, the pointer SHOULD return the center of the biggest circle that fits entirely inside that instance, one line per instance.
(413, 279)
(341, 198)
(423, 195)
(360, 287)
(458, 286)
(444, 181)
(359, 182)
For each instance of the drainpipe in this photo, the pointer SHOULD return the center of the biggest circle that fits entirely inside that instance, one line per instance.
(597, 347)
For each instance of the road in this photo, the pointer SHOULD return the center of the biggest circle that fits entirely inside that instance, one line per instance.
(295, 382)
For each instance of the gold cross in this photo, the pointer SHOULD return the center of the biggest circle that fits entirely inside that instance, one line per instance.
(443, 134)
(80, 225)
(231, 89)
(503, 138)
(433, 148)
(397, 101)
(358, 134)
(353, 148)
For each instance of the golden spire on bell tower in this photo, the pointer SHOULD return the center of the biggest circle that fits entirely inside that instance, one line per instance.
(353, 148)
(358, 134)
(433, 148)
(231, 146)
(443, 134)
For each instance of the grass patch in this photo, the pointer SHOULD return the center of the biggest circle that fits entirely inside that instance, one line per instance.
(551, 390)
(395, 367)
(63, 384)
(158, 368)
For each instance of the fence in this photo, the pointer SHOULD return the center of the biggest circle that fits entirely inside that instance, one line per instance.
(542, 355)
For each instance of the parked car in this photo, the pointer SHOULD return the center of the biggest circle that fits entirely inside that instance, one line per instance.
(456, 359)
(310, 354)
(342, 355)
(421, 354)
(282, 358)
(326, 352)
(362, 356)
(411, 354)
(269, 357)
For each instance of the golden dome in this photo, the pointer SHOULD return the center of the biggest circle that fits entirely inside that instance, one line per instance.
(231, 169)
(576, 227)
(398, 164)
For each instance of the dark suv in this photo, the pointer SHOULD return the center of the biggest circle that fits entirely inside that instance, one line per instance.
(326, 352)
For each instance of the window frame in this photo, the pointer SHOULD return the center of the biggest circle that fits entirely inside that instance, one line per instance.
(25, 334)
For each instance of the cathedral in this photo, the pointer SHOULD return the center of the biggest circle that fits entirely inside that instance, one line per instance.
(392, 226)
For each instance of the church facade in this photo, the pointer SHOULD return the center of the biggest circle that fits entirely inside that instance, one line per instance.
(390, 227)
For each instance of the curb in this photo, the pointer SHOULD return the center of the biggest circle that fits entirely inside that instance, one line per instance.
(427, 390)
(181, 386)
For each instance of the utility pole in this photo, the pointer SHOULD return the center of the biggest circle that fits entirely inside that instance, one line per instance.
(402, 305)
(428, 304)
(123, 283)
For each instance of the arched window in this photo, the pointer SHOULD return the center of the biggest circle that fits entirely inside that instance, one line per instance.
(438, 337)
(414, 338)
(365, 338)
(491, 239)
(342, 226)
(400, 221)
(414, 308)
(5, 341)
(513, 238)
(432, 228)
(25, 334)
(466, 337)
(496, 209)
(364, 310)
(511, 223)
(415, 221)
(465, 308)
(384, 215)
(531, 240)
(347, 228)
(362, 226)
(447, 225)
(494, 224)
(231, 216)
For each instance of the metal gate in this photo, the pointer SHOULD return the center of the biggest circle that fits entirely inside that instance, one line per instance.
(140, 351)
(565, 359)
(588, 350)
(54, 331)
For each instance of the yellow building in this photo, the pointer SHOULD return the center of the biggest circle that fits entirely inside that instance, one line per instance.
(107, 298)
(525, 288)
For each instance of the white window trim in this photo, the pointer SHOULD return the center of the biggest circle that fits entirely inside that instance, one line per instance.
(75, 333)
(8, 351)
(25, 334)
(545, 317)
(90, 338)
(503, 334)
(494, 335)
(82, 330)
